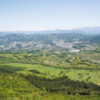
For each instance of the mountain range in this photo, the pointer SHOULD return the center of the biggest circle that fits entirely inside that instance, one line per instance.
(84, 30)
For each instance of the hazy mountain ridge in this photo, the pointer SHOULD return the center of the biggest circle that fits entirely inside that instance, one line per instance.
(85, 30)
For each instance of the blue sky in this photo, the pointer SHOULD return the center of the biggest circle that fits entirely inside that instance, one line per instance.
(48, 14)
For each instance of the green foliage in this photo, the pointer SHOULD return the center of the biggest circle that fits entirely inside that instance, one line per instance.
(97, 50)
(9, 69)
(79, 46)
(63, 83)
(30, 74)
(13, 85)
(92, 39)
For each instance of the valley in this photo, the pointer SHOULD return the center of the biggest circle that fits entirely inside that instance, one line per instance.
(40, 61)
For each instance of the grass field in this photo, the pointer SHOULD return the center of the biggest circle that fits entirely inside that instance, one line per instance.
(40, 68)
(74, 74)
(71, 73)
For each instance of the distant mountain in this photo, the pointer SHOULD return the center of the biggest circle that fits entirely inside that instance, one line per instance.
(3, 33)
(85, 30)
(89, 30)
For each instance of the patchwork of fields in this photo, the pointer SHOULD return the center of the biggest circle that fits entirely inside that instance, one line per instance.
(37, 67)
(74, 74)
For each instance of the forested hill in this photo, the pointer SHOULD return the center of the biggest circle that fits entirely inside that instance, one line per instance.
(46, 38)
(95, 39)
(92, 39)
(49, 38)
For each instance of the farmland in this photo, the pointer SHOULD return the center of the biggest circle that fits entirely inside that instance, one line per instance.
(39, 68)
(50, 68)
(73, 74)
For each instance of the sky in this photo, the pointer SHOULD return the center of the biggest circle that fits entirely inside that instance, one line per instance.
(38, 15)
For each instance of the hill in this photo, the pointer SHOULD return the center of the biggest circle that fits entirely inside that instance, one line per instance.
(84, 30)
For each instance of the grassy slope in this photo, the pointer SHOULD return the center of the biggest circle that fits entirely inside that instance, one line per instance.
(13, 85)
(73, 74)
(40, 68)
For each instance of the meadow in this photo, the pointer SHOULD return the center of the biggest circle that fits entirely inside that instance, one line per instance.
(37, 67)
(73, 74)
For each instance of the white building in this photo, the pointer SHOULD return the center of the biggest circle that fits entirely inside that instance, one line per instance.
(74, 51)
